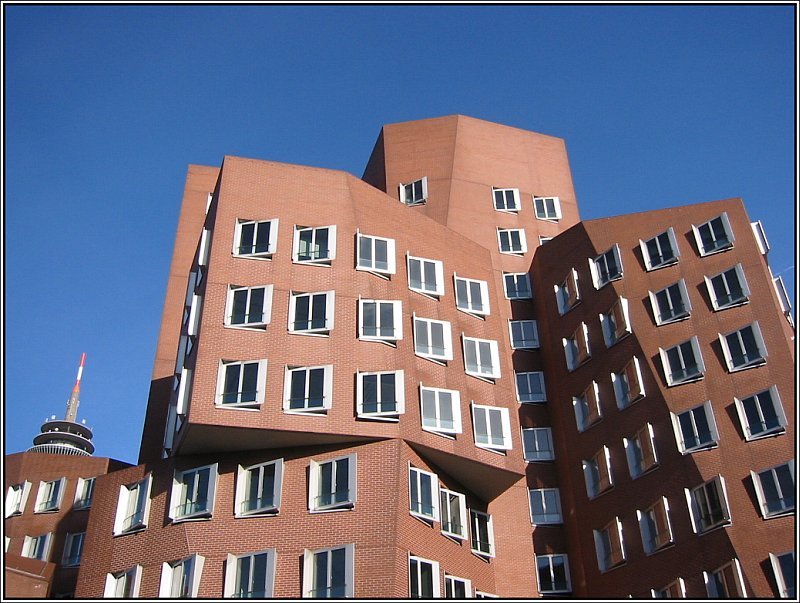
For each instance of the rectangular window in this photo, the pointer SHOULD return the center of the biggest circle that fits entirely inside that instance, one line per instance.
(191, 315)
(616, 323)
(640, 451)
(543, 240)
(547, 208)
(16, 498)
(308, 389)
(660, 251)
(728, 289)
(414, 193)
(537, 444)
(530, 387)
(628, 385)
(241, 383)
(248, 307)
(258, 489)
(606, 267)
(49, 496)
(609, 546)
(380, 320)
(193, 493)
(457, 588)
(181, 579)
(714, 236)
(332, 484)
(683, 363)
(553, 574)
(422, 490)
(545, 506)
(380, 395)
(671, 304)
(311, 313)
(783, 566)
(517, 285)
(708, 505)
(576, 347)
(587, 407)
(524, 334)
(329, 573)
(775, 488)
(674, 590)
(567, 292)
(506, 199)
(426, 276)
(83, 493)
(123, 585)
(314, 245)
(73, 547)
(204, 247)
(744, 348)
(783, 298)
(37, 547)
(760, 236)
(440, 410)
(597, 473)
(375, 254)
(695, 429)
(472, 296)
(481, 358)
(482, 533)
(423, 578)
(655, 526)
(512, 240)
(255, 239)
(432, 339)
(492, 427)
(726, 582)
(133, 507)
(454, 513)
(761, 415)
(250, 576)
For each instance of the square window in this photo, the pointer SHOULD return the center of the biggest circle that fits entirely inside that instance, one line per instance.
(744, 348)
(414, 193)
(492, 427)
(314, 245)
(380, 320)
(250, 576)
(517, 285)
(258, 489)
(714, 236)
(708, 505)
(193, 493)
(440, 410)
(133, 507)
(775, 488)
(37, 547)
(671, 304)
(423, 578)
(783, 566)
(616, 323)
(567, 292)
(640, 451)
(524, 334)
(537, 444)
(628, 385)
(457, 588)
(454, 513)
(655, 526)
(73, 547)
(49, 496)
(123, 585)
(472, 296)
(728, 289)
(311, 313)
(423, 487)
(761, 415)
(332, 484)
(547, 208)
(308, 389)
(481, 358)
(181, 579)
(432, 339)
(482, 533)
(255, 239)
(726, 582)
(375, 254)
(609, 546)
(530, 387)
(553, 573)
(248, 307)
(683, 363)
(329, 573)
(241, 383)
(674, 590)
(576, 347)
(83, 493)
(695, 429)
(545, 506)
(506, 199)
(426, 276)
(16, 497)
(597, 473)
(512, 241)
(587, 407)
(660, 251)
(380, 396)
(606, 267)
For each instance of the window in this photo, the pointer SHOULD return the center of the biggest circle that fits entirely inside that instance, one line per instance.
(547, 208)
(83, 493)
(597, 473)
(258, 489)
(726, 582)
(426, 276)
(616, 323)
(671, 304)
(492, 427)
(506, 199)
(543, 240)
(123, 585)
(683, 363)
(332, 484)
(250, 576)
(133, 507)
(545, 506)
(472, 296)
(248, 306)
(311, 313)
(432, 339)
(587, 407)
(73, 547)
(576, 347)
(422, 489)
(380, 320)
(181, 579)
(695, 429)
(482, 541)
(314, 245)
(481, 358)
(714, 235)
(512, 240)
(530, 387)
(744, 348)
(660, 251)
(482, 595)
(193, 493)
(440, 410)
(775, 489)
(628, 386)
(454, 513)
(241, 384)
(375, 254)
(655, 526)
(537, 444)
(255, 239)
(49, 496)
(457, 588)
(37, 547)
(674, 590)
(606, 267)
(783, 566)
(517, 285)
(380, 395)
(553, 573)
(761, 414)
(567, 292)
(191, 313)
(728, 288)
(204, 247)
(783, 298)
(16, 498)
(524, 334)
(708, 505)
(308, 389)
(329, 573)
(414, 193)
(640, 451)
(423, 576)
(609, 546)
(760, 236)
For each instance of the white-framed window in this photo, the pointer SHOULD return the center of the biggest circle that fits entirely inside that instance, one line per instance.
(553, 573)
(204, 247)
(37, 547)
(587, 407)
(606, 267)
(517, 285)
(423, 487)
(708, 505)
(660, 251)
(124, 584)
(241, 383)
(426, 276)
(332, 483)
(73, 548)
(16, 498)
(311, 313)
(308, 389)
(616, 323)
(761, 415)
(744, 348)
(255, 238)
(457, 588)
(524, 334)
(545, 506)
(530, 387)
(783, 567)
(83, 493)
(472, 296)
(674, 590)
(783, 298)
(133, 506)
(453, 506)
(479, 594)
(567, 292)
(380, 320)
(49, 495)
(250, 576)
(375, 254)
(728, 288)
(248, 307)
(683, 363)
(547, 208)
(492, 427)
(543, 239)
(640, 451)
(512, 241)
(655, 526)
(726, 582)
(181, 578)
(482, 532)
(576, 347)
(193, 493)
(761, 237)
(414, 193)
(423, 578)
(537, 444)
(695, 429)
(329, 573)
(775, 488)
(191, 314)
(380, 395)
(506, 199)
(481, 358)
(671, 304)
(183, 391)
(440, 410)
(628, 384)
(433, 339)
(314, 245)
(714, 236)
(258, 489)
(609, 546)
(597, 473)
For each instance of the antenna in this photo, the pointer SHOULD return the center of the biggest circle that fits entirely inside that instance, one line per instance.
(72, 404)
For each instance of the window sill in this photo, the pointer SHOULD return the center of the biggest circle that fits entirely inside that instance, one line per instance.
(709, 446)
(246, 406)
(660, 266)
(685, 381)
(765, 435)
(322, 412)
(348, 506)
(743, 302)
(720, 526)
(390, 342)
(673, 320)
(738, 369)
(254, 256)
(726, 247)
(384, 418)
(321, 333)
(386, 275)
(260, 326)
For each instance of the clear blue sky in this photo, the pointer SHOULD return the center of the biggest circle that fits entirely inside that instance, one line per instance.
(106, 106)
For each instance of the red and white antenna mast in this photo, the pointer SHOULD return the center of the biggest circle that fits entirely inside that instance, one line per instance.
(72, 404)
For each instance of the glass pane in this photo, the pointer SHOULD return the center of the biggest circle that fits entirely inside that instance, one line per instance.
(316, 387)
(369, 319)
(301, 317)
(461, 294)
(415, 274)
(250, 382)
(430, 276)
(256, 309)
(369, 389)
(239, 307)
(388, 396)
(321, 244)
(297, 395)
(319, 305)
(230, 390)
(365, 252)
(381, 254)
(246, 241)
(262, 237)
(387, 320)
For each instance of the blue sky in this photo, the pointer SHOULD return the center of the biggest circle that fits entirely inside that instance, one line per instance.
(106, 105)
